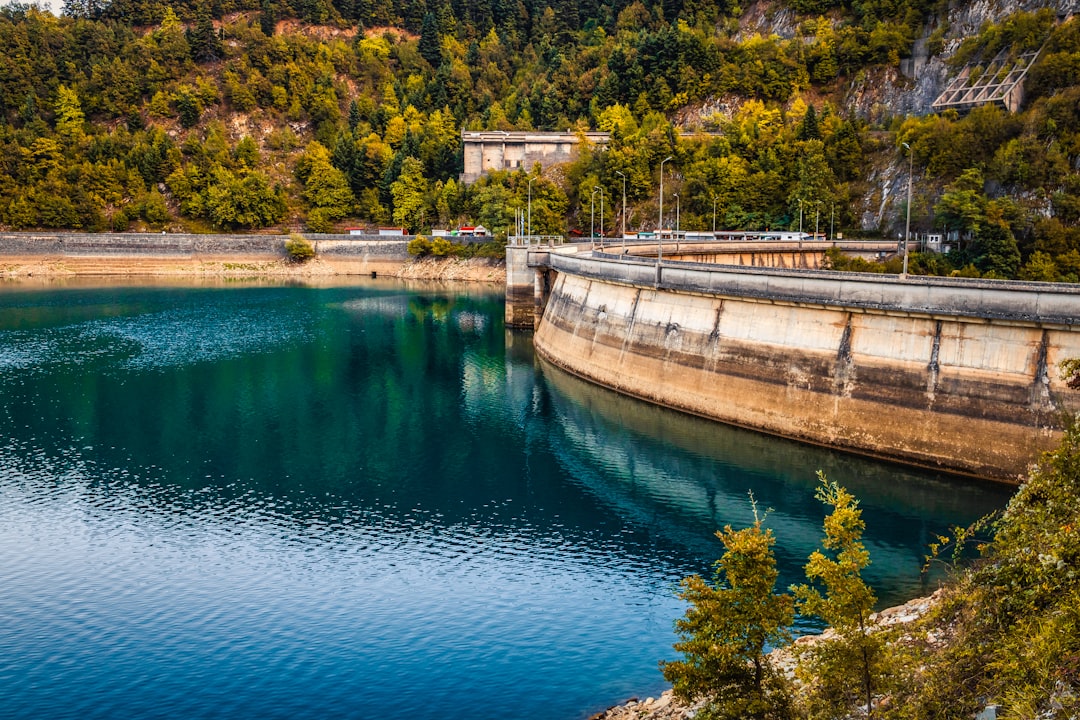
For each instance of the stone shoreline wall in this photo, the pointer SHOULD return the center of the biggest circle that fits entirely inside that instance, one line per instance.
(184, 244)
(960, 377)
(184, 255)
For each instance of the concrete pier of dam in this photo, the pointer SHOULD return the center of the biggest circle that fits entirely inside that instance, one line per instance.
(953, 374)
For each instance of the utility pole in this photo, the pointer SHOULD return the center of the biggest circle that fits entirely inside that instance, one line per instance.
(530, 207)
(907, 225)
(592, 217)
(660, 227)
(601, 189)
(623, 209)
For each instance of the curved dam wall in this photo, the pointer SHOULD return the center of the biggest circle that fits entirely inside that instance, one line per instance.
(954, 375)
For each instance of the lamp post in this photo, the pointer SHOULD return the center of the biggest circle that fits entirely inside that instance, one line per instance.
(907, 224)
(530, 208)
(601, 190)
(623, 209)
(592, 217)
(660, 227)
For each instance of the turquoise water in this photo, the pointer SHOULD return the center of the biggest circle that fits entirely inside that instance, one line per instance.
(366, 501)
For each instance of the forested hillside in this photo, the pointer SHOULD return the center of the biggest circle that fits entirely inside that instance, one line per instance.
(253, 114)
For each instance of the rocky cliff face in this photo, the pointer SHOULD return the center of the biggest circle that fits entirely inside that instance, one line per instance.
(911, 89)
(922, 77)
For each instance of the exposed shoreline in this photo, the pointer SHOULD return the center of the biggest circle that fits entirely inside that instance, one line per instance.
(667, 707)
(17, 267)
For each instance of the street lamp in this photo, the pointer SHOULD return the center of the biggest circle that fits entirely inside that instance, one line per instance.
(601, 189)
(623, 209)
(907, 225)
(660, 227)
(592, 216)
(530, 207)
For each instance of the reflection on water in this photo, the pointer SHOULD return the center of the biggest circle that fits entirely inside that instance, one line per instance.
(284, 501)
(705, 485)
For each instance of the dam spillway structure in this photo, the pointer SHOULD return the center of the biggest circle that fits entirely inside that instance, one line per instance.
(953, 374)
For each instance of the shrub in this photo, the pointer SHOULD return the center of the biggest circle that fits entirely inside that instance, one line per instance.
(419, 246)
(299, 248)
(441, 247)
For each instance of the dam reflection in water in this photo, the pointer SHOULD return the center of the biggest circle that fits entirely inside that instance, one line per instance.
(274, 501)
(611, 441)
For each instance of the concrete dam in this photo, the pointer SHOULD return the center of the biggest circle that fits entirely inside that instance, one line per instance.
(953, 374)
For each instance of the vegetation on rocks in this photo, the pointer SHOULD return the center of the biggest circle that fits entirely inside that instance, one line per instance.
(1004, 629)
(299, 249)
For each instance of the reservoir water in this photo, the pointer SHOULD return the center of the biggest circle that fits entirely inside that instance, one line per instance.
(367, 501)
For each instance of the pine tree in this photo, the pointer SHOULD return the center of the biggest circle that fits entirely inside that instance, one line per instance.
(409, 194)
(203, 38)
(844, 671)
(69, 114)
(268, 18)
(430, 48)
(728, 626)
(809, 129)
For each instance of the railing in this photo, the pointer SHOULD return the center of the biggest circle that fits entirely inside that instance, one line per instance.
(533, 240)
(1044, 303)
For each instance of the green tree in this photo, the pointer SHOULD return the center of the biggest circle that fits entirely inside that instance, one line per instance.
(999, 256)
(409, 194)
(1040, 267)
(267, 18)
(429, 46)
(963, 206)
(727, 628)
(245, 201)
(69, 114)
(327, 188)
(203, 38)
(845, 670)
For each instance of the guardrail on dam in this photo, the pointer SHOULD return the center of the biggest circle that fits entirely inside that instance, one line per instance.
(946, 373)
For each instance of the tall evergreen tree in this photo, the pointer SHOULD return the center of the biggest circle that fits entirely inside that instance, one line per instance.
(203, 38)
(844, 671)
(268, 18)
(69, 114)
(728, 626)
(430, 45)
(808, 129)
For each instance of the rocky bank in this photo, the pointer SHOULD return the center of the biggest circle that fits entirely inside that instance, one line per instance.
(667, 707)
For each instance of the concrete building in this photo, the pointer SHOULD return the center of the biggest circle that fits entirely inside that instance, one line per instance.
(498, 150)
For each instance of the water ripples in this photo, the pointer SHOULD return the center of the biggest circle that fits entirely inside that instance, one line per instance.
(346, 502)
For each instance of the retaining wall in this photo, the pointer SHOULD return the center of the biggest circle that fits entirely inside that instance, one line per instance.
(956, 375)
(97, 253)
